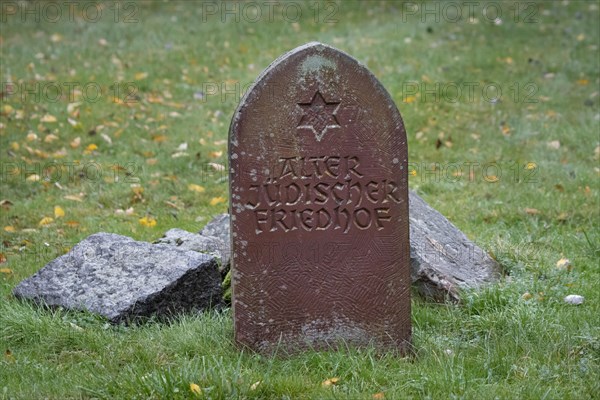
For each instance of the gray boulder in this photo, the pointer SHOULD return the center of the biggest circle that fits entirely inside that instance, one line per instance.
(443, 259)
(125, 280)
(211, 245)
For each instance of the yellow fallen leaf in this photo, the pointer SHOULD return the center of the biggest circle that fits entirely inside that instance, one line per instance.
(196, 188)
(582, 82)
(56, 37)
(409, 99)
(216, 200)
(563, 216)
(31, 137)
(7, 109)
(90, 147)
(45, 221)
(140, 75)
(2, 261)
(148, 222)
(73, 197)
(15, 146)
(58, 212)
(491, 178)
(527, 296)
(6, 271)
(330, 382)
(379, 396)
(531, 165)
(159, 138)
(48, 118)
(72, 224)
(564, 263)
(9, 228)
(216, 154)
(194, 388)
(50, 138)
(532, 211)
(254, 386)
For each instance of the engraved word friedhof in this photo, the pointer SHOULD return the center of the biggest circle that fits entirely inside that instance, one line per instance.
(319, 206)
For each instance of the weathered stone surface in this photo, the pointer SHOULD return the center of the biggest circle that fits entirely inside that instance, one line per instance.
(214, 229)
(443, 259)
(123, 279)
(211, 245)
(319, 206)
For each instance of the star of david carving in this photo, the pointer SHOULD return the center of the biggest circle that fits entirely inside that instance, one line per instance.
(319, 116)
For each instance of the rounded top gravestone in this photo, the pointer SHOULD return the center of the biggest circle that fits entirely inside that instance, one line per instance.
(319, 206)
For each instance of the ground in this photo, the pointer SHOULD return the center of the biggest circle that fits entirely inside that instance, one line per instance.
(114, 118)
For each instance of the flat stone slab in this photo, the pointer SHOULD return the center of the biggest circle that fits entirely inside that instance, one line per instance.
(124, 280)
(201, 243)
(443, 260)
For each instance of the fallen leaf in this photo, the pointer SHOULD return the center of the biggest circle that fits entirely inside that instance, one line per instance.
(50, 138)
(216, 200)
(2, 261)
(159, 138)
(90, 147)
(147, 221)
(8, 355)
(254, 386)
(563, 216)
(564, 263)
(48, 118)
(555, 144)
(58, 212)
(532, 211)
(194, 388)
(73, 197)
(75, 142)
(72, 107)
(56, 37)
(531, 165)
(409, 99)
(140, 75)
(31, 137)
(72, 224)
(216, 167)
(583, 82)
(215, 154)
(527, 296)
(379, 396)
(330, 382)
(6, 204)
(9, 228)
(196, 188)
(45, 221)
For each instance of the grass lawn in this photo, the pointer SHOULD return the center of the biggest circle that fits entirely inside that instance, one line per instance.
(116, 119)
